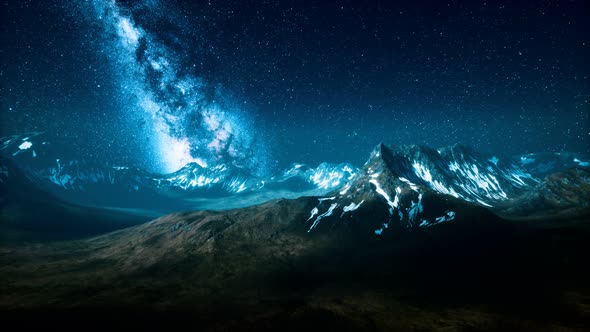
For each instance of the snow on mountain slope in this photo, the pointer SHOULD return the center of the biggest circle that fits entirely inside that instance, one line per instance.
(96, 182)
(400, 176)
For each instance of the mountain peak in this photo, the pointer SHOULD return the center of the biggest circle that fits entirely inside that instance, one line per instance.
(457, 171)
(418, 186)
(379, 150)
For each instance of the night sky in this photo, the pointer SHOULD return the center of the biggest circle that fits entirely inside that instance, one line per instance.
(263, 84)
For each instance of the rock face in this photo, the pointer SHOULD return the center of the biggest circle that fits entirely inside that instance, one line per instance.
(460, 172)
(414, 187)
(561, 194)
(567, 189)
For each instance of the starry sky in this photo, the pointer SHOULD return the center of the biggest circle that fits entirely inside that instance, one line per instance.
(262, 84)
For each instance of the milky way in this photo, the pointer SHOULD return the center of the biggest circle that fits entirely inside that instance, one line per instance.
(183, 118)
(156, 84)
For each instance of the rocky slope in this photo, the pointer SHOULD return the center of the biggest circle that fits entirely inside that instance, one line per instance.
(560, 195)
(388, 251)
(260, 268)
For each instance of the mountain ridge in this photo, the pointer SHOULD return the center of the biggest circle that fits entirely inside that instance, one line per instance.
(457, 170)
(367, 256)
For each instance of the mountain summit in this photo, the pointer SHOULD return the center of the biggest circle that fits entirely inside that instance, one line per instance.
(417, 186)
(402, 188)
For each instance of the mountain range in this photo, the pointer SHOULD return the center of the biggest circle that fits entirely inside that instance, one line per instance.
(90, 182)
(457, 171)
(416, 239)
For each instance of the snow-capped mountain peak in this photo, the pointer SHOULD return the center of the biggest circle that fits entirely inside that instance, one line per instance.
(420, 186)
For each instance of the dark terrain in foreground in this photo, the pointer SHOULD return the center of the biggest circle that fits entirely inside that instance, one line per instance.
(259, 269)
(382, 254)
